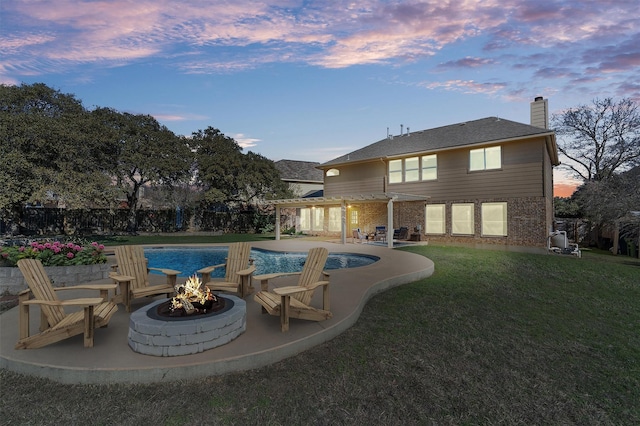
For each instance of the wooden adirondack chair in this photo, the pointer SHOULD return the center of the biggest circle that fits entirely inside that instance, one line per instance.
(133, 276)
(294, 301)
(55, 324)
(238, 270)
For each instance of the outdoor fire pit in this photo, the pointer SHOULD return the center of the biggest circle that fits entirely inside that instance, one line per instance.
(194, 321)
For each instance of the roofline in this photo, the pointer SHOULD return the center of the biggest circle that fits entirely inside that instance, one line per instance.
(550, 139)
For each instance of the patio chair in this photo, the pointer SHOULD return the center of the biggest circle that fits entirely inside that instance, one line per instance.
(359, 236)
(558, 243)
(380, 234)
(55, 323)
(401, 234)
(238, 270)
(133, 276)
(294, 301)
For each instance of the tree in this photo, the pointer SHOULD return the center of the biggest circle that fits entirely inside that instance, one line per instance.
(599, 140)
(230, 177)
(565, 207)
(606, 201)
(146, 153)
(48, 149)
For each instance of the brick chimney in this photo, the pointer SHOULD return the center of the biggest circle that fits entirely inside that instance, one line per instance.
(540, 112)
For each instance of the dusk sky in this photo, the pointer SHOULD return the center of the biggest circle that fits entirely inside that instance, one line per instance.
(312, 80)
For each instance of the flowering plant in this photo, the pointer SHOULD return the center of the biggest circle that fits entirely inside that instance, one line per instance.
(55, 253)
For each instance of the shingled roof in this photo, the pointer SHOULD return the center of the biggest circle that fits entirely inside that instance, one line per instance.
(299, 171)
(482, 131)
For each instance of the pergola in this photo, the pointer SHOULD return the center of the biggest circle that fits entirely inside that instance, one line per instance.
(383, 197)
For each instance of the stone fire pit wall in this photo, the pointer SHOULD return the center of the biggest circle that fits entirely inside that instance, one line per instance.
(174, 338)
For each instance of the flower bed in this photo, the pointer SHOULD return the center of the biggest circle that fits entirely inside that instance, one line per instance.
(54, 253)
(66, 263)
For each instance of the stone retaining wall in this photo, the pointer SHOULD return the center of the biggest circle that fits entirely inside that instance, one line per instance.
(12, 281)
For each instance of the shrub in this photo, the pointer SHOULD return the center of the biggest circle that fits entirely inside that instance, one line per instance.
(54, 253)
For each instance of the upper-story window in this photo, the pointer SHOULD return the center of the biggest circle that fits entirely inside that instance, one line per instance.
(413, 169)
(395, 171)
(333, 172)
(429, 167)
(485, 158)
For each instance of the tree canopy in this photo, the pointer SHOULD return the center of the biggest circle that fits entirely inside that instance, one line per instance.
(51, 147)
(48, 149)
(229, 177)
(144, 152)
(601, 139)
(608, 200)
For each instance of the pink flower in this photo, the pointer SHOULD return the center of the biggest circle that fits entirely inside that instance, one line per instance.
(21, 249)
(5, 255)
(47, 245)
(101, 247)
(77, 248)
(95, 244)
(70, 255)
(70, 245)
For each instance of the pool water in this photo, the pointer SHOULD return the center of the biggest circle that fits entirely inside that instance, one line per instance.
(189, 259)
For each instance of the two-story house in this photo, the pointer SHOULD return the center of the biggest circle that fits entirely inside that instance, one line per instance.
(481, 182)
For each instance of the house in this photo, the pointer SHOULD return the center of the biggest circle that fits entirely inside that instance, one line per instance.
(305, 180)
(303, 177)
(481, 182)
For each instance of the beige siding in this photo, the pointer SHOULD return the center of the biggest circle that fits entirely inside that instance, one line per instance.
(364, 178)
(522, 175)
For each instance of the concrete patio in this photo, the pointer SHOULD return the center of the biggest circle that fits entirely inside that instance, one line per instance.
(111, 360)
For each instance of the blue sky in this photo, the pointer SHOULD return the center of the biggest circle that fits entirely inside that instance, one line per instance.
(312, 80)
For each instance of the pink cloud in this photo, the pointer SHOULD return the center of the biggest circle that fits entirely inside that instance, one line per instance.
(467, 86)
(54, 36)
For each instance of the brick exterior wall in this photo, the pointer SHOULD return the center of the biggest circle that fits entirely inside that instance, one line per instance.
(528, 221)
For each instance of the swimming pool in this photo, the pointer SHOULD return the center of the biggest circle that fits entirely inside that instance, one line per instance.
(189, 259)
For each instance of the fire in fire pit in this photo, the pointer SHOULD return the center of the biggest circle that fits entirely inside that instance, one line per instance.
(192, 298)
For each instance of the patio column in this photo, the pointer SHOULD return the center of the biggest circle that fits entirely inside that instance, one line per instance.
(277, 222)
(390, 223)
(343, 222)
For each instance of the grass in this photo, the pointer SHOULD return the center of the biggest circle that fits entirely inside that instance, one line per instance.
(491, 338)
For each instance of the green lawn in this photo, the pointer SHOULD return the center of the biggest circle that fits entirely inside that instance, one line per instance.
(492, 337)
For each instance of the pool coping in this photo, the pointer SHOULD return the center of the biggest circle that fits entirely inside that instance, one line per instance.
(262, 344)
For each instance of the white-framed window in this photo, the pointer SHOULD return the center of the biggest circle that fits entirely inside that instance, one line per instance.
(335, 219)
(429, 167)
(462, 219)
(333, 172)
(305, 219)
(395, 171)
(494, 219)
(412, 169)
(485, 158)
(435, 223)
(317, 214)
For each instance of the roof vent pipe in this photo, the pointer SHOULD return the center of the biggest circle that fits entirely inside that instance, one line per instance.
(401, 130)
